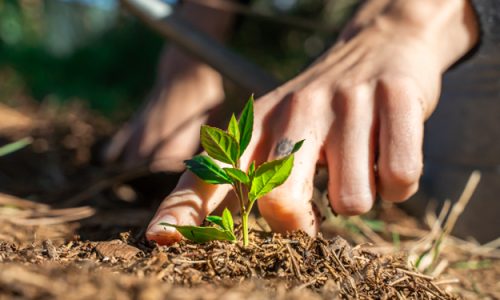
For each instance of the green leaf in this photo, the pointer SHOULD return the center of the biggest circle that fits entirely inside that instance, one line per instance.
(245, 124)
(15, 146)
(200, 234)
(237, 175)
(227, 220)
(297, 146)
(216, 220)
(270, 175)
(233, 128)
(219, 144)
(207, 170)
(251, 174)
(251, 170)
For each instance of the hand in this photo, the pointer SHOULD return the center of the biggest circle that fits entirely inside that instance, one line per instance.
(361, 105)
(166, 131)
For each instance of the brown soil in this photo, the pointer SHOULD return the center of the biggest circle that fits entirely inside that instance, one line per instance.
(295, 261)
(73, 229)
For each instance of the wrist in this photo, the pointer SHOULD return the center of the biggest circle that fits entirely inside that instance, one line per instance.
(449, 27)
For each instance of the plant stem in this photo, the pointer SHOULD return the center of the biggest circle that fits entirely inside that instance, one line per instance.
(244, 223)
(244, 210)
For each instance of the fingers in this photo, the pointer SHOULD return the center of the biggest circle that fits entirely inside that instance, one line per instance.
(401, 138)
(189, 204)
(114, 149)
(354, 137)
(350, 151)
(288, 207)
(366, 115)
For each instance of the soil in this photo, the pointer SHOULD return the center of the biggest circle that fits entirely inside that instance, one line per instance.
(295, 261)
(72, 228)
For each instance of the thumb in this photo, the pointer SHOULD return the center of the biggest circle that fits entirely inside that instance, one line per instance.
(188, 204)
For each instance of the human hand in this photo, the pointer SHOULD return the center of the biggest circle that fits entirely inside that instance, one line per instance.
(361, 105)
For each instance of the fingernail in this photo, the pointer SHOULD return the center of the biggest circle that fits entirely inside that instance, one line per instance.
(156, 228)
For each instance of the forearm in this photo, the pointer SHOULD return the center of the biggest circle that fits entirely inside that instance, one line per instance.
(215, 23)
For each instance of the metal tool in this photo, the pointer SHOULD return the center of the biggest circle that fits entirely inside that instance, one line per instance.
(161, 17)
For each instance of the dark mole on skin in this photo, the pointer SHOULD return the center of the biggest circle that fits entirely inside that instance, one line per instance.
(284, 147)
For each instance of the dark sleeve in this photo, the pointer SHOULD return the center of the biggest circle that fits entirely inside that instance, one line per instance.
(488, 14)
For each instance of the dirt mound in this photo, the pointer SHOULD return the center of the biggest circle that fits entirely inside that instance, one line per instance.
(294, 261)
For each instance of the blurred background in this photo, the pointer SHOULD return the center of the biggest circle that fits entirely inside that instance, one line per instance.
(71, 71)
(92, 52)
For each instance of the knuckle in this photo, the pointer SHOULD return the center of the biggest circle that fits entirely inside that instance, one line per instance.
(305, 97)
(292, 105)
(401, 93)
(410, 192)
(398, 84)
(347, 90)
(402, 174)
(353, 204)
(397, 196)
(302, 104)
(346, 86)
(350, 98)
(298, 99)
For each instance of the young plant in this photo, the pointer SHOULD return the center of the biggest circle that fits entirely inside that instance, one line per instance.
(250, 185)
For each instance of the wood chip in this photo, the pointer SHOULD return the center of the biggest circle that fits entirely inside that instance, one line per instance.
(117, 249)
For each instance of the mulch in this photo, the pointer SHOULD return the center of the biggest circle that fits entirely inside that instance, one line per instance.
(294, 262)
(71, 228)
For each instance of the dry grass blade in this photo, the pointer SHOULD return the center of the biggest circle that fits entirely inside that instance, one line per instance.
(184, 261)
(447, 281)
(415, 274)
(57, 217)
(367, 231)
(428, 259)
(9, 200)
(295, 265)
(495, 244)
(404, 278)
(459, 207)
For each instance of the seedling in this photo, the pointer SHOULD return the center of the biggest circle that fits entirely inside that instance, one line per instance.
(227, 147)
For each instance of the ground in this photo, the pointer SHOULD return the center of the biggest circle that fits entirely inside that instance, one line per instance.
(72, 228)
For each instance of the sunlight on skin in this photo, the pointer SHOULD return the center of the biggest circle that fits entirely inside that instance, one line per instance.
(363, 103)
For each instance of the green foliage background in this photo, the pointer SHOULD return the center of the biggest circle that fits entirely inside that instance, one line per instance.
(64, 51)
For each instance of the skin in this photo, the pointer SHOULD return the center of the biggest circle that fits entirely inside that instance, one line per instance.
(166, 131)
(361, 108)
